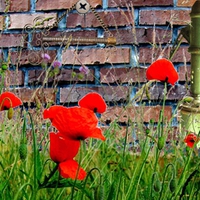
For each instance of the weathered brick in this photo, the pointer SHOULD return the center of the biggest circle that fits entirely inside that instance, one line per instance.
(122, 75)
(126, 3)
(65, 76)
(186, 3)
(28, 19)
(61, 4)
(12, 40)
(25, 57)
(109, 19)
(14, 78)
(177, 92)
(37, 37)
(163, 17)
(2, 23)
(92, 56)
(43, 95)
(147, 55)
(184, 73)
(109, 93)
(19, 5)
(141, 35)
(15, 6)
(135, 114)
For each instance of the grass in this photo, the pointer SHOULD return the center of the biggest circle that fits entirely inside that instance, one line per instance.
(147, 169)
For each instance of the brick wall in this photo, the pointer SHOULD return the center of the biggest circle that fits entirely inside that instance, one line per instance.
(143, 29)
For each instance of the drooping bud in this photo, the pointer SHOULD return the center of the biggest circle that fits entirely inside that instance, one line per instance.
(161, 142)
(157, 186)
(10, 113)
(23, 150)
(172, 185)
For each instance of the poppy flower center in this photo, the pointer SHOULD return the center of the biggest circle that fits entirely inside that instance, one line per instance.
(191, 140)
(95, 109)
(80, 138)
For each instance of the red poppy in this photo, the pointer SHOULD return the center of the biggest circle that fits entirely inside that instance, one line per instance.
(63, 151)
(94, 102)
(9, 100)
(190, 139)
(69, 168)
(75, 123)
(162, 70)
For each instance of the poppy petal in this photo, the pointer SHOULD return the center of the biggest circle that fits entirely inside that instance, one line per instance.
(9, 100)
(77, 123)
(62, 149)
(190, 139)
(69, 169)
(162, 70)
(52, 111)
(94, 102)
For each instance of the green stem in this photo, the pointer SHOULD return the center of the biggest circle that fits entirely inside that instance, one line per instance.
(35, 162)
(160, 197)
(182, 177)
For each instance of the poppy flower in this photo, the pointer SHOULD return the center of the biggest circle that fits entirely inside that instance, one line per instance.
(9, 100)
(94, 102)
(162, 70)
(63, 151)
(190, 139)
(74, 123)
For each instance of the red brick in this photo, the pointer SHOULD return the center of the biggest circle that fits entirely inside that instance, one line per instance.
(141, 35)
(15, 6)
(109, 19)
(92, 56)
(44, 95)
(109, 93)
(122, 75)
(65, 76)
(186, 3)
(30, 57)
(1, 23)
(135, 114)
(2, 6)
(62, 4)
(148, 55)
(184, 71)
(19, 21)
(12, 40)
(126, 3)
(163, 17)
(14, 78)
(37, 37)
(174, 93)
(19, 5)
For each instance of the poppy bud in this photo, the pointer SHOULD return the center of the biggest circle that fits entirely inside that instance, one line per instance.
(157, 186)
(68, 190)
(172, 185)
(23, 151)
(161, 142)
(99, 193)
(147, 131)
(80, 76)
(10, 113)
(4, 66)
